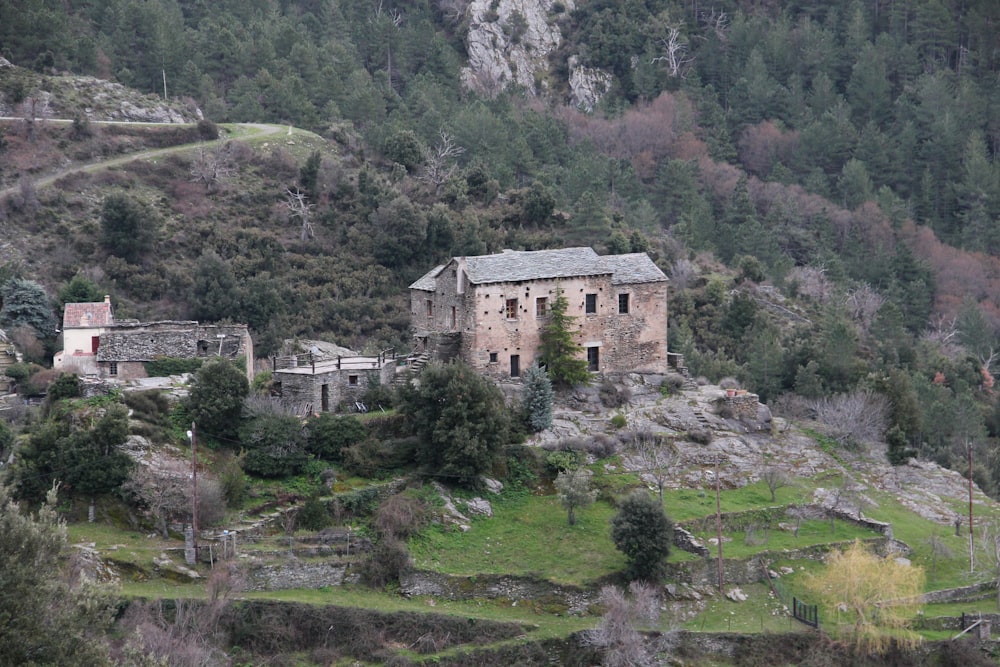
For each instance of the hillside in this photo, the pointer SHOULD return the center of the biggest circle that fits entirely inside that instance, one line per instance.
(817, 178)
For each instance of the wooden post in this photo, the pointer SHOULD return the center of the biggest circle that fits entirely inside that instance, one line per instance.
(718, 519)
(194, 479)
(972, 538)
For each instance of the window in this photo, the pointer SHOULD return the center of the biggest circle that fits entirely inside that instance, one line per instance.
(541, 307)
(511, 309)
(275, 389)
(324, 400)
(493, 357)
(430, 308)
(454, 317)
(113, 368)
(591, 304)
(515, 365)
(351, 380)
(623, 304)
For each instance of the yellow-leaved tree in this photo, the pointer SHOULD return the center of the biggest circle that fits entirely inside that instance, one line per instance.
(879, 595)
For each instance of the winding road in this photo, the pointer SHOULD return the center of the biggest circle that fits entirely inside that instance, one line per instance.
(258, 130)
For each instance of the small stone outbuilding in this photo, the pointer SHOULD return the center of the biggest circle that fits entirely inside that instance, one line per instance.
(489, 310)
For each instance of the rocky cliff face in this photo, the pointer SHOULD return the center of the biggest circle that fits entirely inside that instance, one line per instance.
(509, 44)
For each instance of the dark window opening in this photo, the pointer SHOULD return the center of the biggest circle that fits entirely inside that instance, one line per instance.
(541, 307)
(623, 304)
(352, 380)
(493, 357)
(591, 304)
(515, 365)
(430, 307)
(593, 359)
(324, 397)
(113, 368)
(454, 317)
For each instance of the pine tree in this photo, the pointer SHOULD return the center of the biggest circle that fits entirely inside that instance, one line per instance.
(537, 400)
(559, 351)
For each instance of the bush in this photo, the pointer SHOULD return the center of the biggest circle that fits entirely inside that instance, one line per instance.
(619, 421)
(313, 515)
(385, 563)
(207, 130)
(672, 383)
(612, 396)
(642, 531)
(702, 436)
(400, 516)
(328, 435)
(232, 481)
(275, 445)
(165, 366)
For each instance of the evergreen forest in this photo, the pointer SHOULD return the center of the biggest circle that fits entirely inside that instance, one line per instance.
(818, 177)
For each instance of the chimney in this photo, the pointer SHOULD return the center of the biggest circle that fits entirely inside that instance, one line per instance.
(107, 299)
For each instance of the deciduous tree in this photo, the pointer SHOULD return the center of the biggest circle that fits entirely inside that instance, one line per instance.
(878, 595)
(575, 492)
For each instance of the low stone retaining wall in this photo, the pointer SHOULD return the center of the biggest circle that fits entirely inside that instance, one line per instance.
(554, 598)
(964, 593)
(772, 516)
(295, 574)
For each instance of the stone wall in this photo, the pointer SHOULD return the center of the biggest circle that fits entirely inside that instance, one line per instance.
(295, 574)
(129, 344)
(304, 387)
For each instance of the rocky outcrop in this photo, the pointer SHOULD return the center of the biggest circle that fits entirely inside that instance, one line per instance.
(509, 43)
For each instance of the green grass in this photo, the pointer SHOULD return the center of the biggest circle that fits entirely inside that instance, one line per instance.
(810, 533)
(528, 535)
(761, 612)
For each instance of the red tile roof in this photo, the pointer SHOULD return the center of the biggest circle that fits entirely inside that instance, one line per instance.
(88, 315)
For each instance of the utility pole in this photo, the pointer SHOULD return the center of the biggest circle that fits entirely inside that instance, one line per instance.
(194, 478)
(972, 538)
(718, 519)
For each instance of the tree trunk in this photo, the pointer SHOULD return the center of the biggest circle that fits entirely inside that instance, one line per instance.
(572, 516)
(92, 511)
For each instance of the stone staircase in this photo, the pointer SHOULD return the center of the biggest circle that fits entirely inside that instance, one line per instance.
(411, 370)
(676, 363)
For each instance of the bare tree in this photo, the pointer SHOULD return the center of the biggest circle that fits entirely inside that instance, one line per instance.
(164, 491)
(716, 21)
(775, 478)
(657, 457)
(190, 636)
(863, 304)
(989, 545)
(939, 551)
(676, 54)
(683, 273)
(439, 161)
(299, 207)
(618, 635)
(213, 167)
(452, 10)
(854, 418)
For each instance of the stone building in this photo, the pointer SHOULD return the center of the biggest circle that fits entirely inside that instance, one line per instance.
(317, 383)
(489, 310)
(96, 344)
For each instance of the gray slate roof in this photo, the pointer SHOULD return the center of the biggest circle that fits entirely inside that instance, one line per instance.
(517, 266)
(428, 281)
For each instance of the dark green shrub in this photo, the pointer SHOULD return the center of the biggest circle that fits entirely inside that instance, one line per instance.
(642, 531)
(385, 563)
(313, 515)
(328, 435)
(66, 385)
(166, 366)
